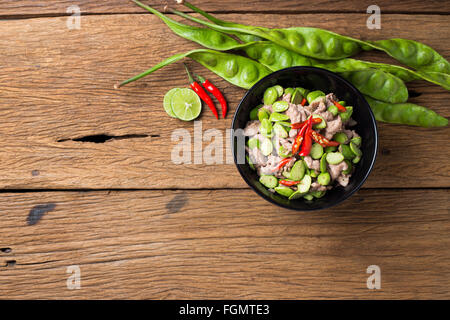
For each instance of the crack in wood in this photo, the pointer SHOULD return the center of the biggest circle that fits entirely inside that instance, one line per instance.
(414, 93)
(102, 138)
(5, 250)
(25, 16)
(10, 263)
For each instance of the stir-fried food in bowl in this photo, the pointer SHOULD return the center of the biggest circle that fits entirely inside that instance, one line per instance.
(301, 143)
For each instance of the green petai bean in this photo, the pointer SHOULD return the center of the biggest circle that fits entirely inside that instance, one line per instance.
(313, 95)
(245, 75)
(442, 79)
(238, 70)
(378, 84)
(409, 52)
(263, 114)
(375, 83)
(400, 49)
(266, 127)
(296, 97)
(206, 37)
(311, 42)
(345, 116)
(276, 57)
(406, 113)
(324, 179)
(270, 96)
(268, 181)
(413, 54)
(334, 110)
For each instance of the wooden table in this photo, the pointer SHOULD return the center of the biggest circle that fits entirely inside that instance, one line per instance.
(94, 164)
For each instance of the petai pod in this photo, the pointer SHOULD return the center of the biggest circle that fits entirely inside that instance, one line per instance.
(375, 83)
(206, 37)
(406, 113)
(208, 16)
(442, 79)
(409, 52)
(240, 71)
(242, 36)
(413, 54)
(311, 42)
(276, 57)
(378, 84)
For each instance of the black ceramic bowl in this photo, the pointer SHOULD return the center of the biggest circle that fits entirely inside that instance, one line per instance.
(313, 79)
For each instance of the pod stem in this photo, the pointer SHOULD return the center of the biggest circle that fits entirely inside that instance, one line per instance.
(160, 65)
(191, 80)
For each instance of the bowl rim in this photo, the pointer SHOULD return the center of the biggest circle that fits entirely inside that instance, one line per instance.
(339, 78)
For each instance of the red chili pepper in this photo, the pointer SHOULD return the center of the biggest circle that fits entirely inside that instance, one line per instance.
(299, 125)
(282, 164)
(215, 92)
(289, 183)
(306, 147)
(299, 139)
(303, 102)
(201, 93)
(340, 107)
(324, 142)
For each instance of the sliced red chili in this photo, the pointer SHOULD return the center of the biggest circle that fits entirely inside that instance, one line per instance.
(297, 143)
(303, 102)
(306, 146)
(340, 107)
(289, 183)
(282, 164)
(299, 125)
(324, 142)
(299, 139)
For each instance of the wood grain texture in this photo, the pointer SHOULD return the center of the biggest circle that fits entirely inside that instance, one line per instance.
(17, 8)
(57, 84)
(224, 244)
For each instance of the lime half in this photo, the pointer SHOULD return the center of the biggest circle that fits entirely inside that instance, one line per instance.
(167, 102)
(186, 105)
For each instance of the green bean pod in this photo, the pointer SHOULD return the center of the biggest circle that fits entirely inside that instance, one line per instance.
(375, 83)
(413, 54)
(208, 16)
(378, 84)
(439, 78)
(409, 52)
(406, 113)
(242, 36)
(238, 70)
(407, 75)
(276, 57)
(311, 42)
(206, 37)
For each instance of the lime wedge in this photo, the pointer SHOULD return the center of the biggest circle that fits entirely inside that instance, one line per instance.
(168, 101)
(186, 105)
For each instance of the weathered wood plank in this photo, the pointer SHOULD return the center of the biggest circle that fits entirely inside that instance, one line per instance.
(30, 7)
(58, 85)
(224, 244)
